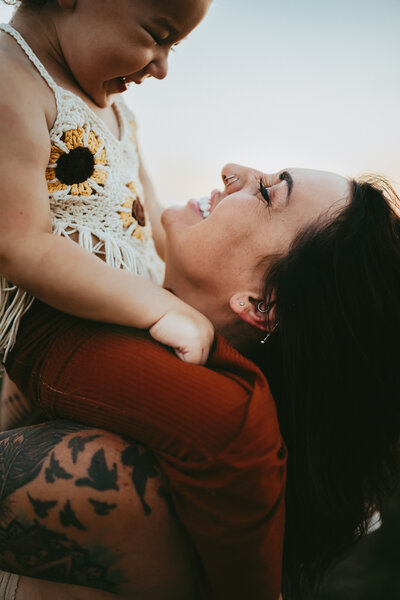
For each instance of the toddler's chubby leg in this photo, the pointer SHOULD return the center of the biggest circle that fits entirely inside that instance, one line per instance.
(83, 506)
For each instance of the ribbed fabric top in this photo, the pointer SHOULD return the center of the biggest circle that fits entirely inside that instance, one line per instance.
(214, 429)
(94, 189)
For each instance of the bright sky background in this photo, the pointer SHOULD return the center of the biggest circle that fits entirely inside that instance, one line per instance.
(273, 84)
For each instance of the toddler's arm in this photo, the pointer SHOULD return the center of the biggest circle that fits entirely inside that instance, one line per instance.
(153, 207)
(55, 269)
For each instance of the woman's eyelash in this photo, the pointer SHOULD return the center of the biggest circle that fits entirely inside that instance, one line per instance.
(265, 193)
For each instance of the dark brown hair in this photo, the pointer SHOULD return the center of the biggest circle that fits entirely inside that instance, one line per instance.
(333, 365)
(30, 3)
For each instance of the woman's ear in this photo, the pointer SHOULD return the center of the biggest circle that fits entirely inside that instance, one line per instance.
(252, 310)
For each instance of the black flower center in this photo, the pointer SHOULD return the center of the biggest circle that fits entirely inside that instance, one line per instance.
(76, 166)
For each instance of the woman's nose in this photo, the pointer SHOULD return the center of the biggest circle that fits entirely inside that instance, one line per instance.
(232, 176)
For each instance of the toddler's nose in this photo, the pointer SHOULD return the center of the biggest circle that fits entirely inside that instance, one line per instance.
(158, 68)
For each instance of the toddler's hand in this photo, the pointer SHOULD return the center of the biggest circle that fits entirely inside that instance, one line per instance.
(187, 331)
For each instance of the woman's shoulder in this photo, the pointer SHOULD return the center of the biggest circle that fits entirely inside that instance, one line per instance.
(215, 405)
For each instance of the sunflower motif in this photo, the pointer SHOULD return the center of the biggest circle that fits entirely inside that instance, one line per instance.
(133, 212)
(78, 168)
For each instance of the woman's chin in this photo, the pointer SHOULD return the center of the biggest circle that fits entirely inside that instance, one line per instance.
(179, 215)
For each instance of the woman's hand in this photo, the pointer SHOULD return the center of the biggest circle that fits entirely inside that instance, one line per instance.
(187, 331)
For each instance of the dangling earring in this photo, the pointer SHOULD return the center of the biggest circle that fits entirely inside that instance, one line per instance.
(265, 310)
(266, 337)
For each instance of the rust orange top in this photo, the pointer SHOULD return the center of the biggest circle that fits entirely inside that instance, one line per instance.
(214, 430)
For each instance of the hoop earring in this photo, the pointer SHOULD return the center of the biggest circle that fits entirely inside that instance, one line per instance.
(265, 310)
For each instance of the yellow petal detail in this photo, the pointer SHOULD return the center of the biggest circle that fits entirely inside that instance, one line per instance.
(56, 187)
(127, 219)
(99, 176)
(73, 138)
(100, 158)
(94, 143)
(50, 174)
(128, 203)
(131, 187)
(133, 125)
(55, 154)
(138, 233)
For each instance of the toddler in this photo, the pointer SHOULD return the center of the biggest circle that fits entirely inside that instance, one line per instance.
(83, 181)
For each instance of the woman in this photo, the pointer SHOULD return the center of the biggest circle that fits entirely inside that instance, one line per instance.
(307, 257)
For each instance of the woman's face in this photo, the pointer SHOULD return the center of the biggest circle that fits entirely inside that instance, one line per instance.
(229, 249)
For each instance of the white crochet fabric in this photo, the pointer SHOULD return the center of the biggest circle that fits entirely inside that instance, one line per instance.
(94, 188)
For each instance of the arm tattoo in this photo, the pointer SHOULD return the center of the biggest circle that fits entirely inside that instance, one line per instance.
(54, 535)
(100, 476)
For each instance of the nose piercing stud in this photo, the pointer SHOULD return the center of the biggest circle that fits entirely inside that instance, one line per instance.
(230, 179)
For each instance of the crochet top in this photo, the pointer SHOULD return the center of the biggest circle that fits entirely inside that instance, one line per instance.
(94, 189)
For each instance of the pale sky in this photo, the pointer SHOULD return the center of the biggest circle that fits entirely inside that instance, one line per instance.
(274, 84)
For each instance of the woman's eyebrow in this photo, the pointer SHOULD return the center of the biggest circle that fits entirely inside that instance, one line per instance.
(286, 176)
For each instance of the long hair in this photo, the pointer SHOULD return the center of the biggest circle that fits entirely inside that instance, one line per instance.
(334, 370)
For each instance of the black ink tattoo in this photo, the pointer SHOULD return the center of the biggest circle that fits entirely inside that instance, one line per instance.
(78, 443)
(101, 478)
(68, 517)
(144, 466)
(164, 493)
(36, 551)
(23, 452)
(40, 507)
(101, 508)
(55, 471)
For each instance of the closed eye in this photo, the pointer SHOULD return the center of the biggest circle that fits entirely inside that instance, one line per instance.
(155, 37)
(265, 193)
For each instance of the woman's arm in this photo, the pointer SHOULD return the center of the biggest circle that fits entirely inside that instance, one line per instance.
(91, 508)
(214, 430)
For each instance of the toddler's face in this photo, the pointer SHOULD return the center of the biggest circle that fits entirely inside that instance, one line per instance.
(110, 39)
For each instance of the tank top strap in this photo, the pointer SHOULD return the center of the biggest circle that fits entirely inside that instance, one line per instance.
(33, 58)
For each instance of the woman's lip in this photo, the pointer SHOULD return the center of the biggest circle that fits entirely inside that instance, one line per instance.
(194, 205)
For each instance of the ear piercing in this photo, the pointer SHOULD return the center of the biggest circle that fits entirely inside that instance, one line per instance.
(229, 179)
(265, 310)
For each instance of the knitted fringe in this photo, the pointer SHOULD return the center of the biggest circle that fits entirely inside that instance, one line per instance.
(14, 303)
